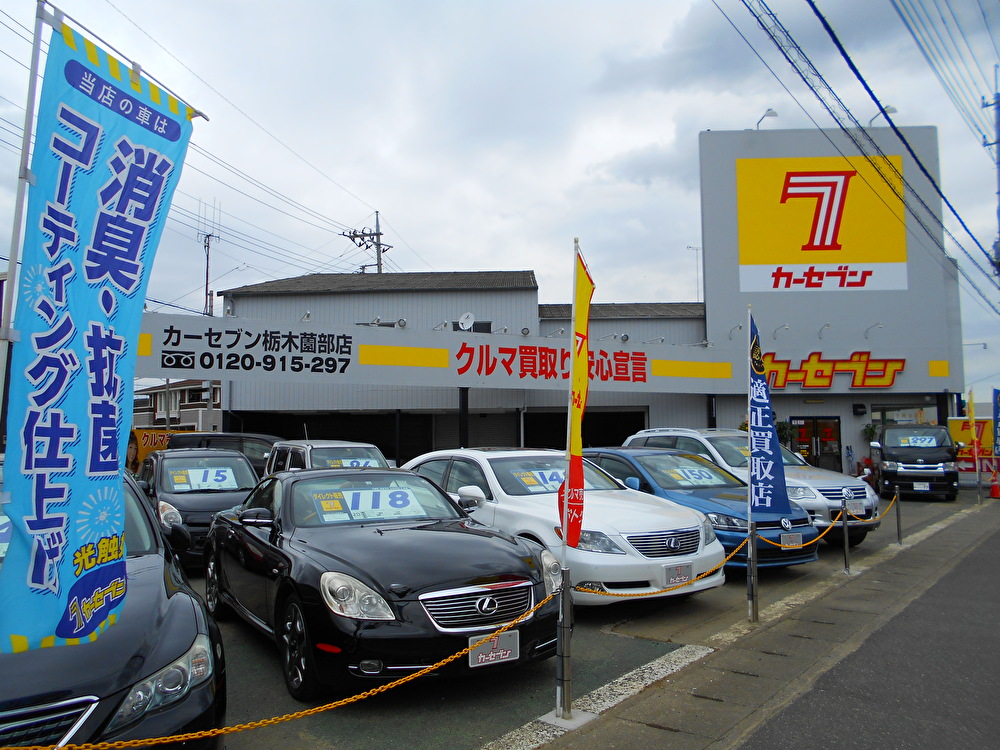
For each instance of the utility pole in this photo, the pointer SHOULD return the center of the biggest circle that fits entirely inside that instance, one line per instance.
(370, 239)
(207, 241)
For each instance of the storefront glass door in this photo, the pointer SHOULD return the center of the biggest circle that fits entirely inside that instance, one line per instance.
(817, 440)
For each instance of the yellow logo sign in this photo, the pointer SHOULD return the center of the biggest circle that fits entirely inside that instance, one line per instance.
(820, 224)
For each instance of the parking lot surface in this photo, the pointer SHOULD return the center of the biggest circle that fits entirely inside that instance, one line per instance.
(691, 673)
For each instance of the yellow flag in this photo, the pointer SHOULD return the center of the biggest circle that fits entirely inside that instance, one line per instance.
(571, 491)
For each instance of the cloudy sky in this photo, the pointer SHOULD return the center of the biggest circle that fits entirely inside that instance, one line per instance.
(489, 134)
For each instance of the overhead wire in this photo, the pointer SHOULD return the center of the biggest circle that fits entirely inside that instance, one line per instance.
(278, 202)
(786, 45)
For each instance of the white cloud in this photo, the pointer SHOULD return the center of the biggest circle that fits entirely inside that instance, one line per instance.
(490, 134)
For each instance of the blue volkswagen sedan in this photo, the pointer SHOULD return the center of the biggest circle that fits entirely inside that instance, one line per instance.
(697, 483)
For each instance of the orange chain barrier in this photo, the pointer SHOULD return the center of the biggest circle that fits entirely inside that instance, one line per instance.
(672, 588)
(287, 717)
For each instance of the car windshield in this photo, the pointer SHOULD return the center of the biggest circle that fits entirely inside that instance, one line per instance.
(207, 474)
(140, 536)
(348, 457)
(735, 451)
(537, 475)
(337, 500)
(679, 472)
(916, 437)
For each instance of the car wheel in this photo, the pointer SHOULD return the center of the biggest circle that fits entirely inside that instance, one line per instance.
(296, 652)
(213, 597)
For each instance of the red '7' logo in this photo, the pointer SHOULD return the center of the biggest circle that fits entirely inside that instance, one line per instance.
(830, 191)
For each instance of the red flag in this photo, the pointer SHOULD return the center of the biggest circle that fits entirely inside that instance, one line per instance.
(571, 490)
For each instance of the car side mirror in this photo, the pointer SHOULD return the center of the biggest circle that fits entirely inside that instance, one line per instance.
(632, 483)
(258, 517)
(178, 537)
(960, 445)
(143, 485)
(471, 497)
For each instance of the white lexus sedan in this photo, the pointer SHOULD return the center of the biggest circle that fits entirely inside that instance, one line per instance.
(631, 543)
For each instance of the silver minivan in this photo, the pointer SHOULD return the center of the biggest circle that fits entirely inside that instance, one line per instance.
(820, 491)
(324, 454)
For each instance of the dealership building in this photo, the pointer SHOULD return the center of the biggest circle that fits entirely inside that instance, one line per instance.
(839, 257)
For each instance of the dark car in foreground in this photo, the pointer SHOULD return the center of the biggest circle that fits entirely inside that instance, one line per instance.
(698, 483)
(188, 486)
(157, 672)
(373, 574)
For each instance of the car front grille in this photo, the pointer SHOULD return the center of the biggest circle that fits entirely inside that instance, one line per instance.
(478, 607)
(836, 494)
(796, 523)
(666, 543)
(49, 724)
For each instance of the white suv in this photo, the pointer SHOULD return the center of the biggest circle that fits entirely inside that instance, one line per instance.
(323, 454)
(819, 491)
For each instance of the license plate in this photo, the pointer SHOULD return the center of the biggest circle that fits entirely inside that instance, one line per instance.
(856, 507)
(921, 486)
(677, 574)
(498, 649)
(792, 539)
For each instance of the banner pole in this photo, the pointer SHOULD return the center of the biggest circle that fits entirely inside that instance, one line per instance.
(751, 524)
(564, 667)
(8, 336)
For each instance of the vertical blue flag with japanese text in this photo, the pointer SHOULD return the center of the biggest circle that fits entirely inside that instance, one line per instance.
(767, 469)
(109, 145)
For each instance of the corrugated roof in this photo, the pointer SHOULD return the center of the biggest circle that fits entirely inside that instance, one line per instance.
(355, 283)
(627, 310)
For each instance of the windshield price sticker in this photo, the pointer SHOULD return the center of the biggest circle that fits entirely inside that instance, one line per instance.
(677, 574)
(503, 647)
(352, 463)
(383, 504)
(919, 441)
(202, 478)
(692, 476)
(791, 540)
(541, 480)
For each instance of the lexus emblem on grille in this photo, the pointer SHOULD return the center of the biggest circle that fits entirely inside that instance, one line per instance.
(786, 524)
(487, 605)
(672, 543)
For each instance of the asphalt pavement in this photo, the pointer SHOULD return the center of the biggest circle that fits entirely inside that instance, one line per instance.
(902, 653)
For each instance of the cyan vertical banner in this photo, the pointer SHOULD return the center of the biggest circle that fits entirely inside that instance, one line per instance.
(108, 151)
(767, 467)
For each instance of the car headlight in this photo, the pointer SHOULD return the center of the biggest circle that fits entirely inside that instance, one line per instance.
(890, 466)
(551, 572)
(595, 541)
(168, 685)
(950, 466)
(728, 523)
(799, 492)
(168, 513)
(707, 532)
(348, 597)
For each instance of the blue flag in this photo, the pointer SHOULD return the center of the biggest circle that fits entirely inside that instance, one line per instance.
(109, 146)
(767, 469)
